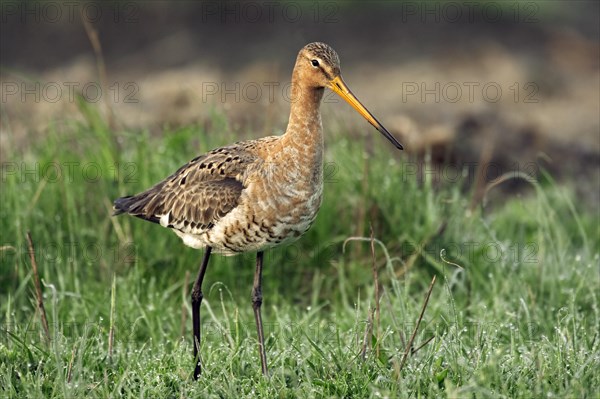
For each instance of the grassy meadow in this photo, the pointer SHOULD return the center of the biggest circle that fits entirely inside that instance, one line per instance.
(514, 311)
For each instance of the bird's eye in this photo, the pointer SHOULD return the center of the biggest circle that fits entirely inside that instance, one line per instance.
(314, 63)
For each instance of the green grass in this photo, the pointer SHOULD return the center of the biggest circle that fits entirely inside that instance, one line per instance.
(518, 317)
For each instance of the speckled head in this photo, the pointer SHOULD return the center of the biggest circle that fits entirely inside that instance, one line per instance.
(328, 60)
(318, 66)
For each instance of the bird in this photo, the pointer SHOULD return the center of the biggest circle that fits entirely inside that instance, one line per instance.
(253, 195)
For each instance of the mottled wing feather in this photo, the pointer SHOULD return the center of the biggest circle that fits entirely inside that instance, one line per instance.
(195, 197)
(197, 208)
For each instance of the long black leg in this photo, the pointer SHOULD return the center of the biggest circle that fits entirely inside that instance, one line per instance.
(196, 300)
(256, 303)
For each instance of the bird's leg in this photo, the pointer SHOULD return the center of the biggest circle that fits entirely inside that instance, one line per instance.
(256, 303)
(196, 300)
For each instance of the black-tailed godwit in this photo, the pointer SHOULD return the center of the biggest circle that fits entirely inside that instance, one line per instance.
(256, 194)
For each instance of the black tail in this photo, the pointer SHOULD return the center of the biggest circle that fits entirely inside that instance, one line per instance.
(134, 205)
(122, 205)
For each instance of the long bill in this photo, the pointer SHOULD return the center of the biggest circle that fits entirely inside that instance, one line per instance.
(338, 85)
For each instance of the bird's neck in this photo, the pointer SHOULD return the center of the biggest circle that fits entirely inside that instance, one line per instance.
(305, 130)
(300, 149)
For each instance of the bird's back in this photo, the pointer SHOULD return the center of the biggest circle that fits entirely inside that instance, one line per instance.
(235, 199)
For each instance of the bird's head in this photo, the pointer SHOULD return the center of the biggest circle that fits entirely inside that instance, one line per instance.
(318, 66)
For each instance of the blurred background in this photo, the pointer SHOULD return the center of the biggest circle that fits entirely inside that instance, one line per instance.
(510, 84)
(497, 195)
